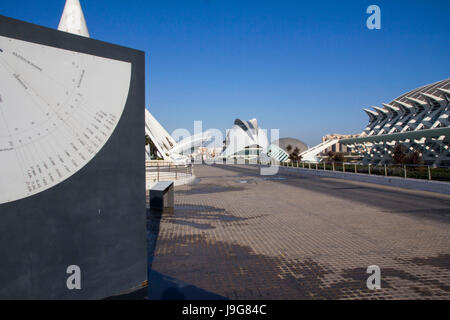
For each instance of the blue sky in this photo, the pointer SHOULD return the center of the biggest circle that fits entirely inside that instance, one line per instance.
(305, 67)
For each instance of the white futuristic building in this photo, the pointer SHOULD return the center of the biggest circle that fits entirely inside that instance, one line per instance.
(245, 141)
(168, 149)
(418, 119)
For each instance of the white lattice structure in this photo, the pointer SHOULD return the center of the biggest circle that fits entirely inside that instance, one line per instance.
(417, 119)
(276, 153)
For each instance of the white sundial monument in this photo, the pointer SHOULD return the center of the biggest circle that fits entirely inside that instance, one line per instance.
(58, 108)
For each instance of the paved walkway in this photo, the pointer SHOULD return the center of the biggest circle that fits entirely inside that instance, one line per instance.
(240, 235)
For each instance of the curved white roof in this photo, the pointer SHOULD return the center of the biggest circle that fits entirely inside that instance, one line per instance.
(427, 107)
(430, 99)
(420, 97)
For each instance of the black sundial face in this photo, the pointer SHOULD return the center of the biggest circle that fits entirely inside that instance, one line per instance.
(58, 108)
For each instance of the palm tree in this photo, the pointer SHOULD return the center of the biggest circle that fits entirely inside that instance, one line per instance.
(335, 156)
(295, 155)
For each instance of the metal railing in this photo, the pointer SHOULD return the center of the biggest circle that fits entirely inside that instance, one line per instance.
(396, 170)
(166, 171)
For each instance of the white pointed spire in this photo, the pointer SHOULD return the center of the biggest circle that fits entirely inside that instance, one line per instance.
(72, 19)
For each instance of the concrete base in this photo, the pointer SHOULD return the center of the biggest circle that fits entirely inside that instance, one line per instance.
(162, 195)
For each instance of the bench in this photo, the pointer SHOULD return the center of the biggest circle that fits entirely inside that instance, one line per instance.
(162, 195)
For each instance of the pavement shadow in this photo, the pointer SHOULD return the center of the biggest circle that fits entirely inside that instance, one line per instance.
(163, 287)
(153, 226)
(160, 286)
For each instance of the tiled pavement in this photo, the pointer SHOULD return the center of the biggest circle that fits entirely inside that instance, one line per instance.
(239, 235)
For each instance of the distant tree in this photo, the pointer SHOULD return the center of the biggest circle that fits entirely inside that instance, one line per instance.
(295, 156)
(335, 156)
(289, 148)
(400, 155)
(413, 157)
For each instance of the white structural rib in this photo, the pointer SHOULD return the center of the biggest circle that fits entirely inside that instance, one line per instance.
(391, 107)
(420, 102)
(444, 90)
(433, 97)
(372, 114)
(72, 19)
(404, 104)
(381, 111)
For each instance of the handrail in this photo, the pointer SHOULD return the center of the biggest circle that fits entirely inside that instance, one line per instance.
(167, 171)
(417, 171)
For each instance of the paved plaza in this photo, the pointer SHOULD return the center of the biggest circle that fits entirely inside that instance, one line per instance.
(239, 235)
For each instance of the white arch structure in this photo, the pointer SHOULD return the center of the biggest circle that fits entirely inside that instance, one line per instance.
(167, 147)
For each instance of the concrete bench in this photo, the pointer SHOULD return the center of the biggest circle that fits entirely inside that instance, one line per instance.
(162, 195)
